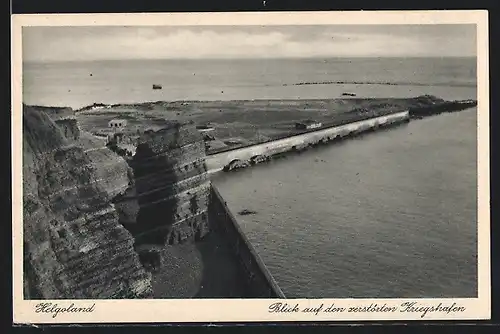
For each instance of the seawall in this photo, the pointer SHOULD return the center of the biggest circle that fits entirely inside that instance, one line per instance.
(216, 162)
(256, 274)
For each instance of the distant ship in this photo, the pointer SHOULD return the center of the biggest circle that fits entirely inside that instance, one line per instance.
(156, 86)
(348, 94)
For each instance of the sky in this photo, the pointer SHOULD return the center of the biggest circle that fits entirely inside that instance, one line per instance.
(53, 44)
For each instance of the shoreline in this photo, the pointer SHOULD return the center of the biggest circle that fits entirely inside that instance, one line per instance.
(185, 102)
(181, 102)
(258, 116)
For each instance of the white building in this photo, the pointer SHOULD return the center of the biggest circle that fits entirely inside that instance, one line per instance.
(117, 123)
(308, 124)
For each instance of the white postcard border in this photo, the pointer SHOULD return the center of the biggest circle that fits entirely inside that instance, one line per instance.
(251, 310)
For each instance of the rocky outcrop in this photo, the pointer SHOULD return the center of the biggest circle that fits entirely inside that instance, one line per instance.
(55, 113)
(167, 204)
(74, 246)
(428, 105)
(64, 117)
(69, 127)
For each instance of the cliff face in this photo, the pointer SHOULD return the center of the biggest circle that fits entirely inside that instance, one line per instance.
(69, 127)
(168, 201)
(55, 113)
(111, 170)
(74, 246)
(97, 226)
(166, 210)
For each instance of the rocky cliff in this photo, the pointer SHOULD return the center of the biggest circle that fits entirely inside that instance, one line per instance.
(167, 203)
(99, 226)
(74, 246)
(55, 113)
(166, 209)
(111, 170)
(69, 128)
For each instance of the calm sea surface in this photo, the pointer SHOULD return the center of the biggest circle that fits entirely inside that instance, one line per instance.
(389, 214)
(79, 84)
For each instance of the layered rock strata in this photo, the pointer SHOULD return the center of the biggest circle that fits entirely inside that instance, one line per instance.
(167, 204)
(74, 247)
(111, 170)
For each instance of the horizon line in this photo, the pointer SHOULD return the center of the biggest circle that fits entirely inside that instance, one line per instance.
(245, 58)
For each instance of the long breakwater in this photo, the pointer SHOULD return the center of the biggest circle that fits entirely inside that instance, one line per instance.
(246, 156)
(250, 155)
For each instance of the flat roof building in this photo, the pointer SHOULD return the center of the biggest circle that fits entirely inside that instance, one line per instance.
(117, 123)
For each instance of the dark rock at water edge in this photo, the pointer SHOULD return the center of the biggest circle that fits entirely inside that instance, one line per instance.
(246, 212)
(429, 105)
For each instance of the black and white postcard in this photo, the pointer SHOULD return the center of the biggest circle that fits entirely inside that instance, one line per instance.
(242, 167)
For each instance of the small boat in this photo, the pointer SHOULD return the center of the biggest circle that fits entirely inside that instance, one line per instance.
(348, 94)
(156, 86)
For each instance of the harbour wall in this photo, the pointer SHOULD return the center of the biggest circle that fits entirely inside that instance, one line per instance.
(258, 277)
(216, 162)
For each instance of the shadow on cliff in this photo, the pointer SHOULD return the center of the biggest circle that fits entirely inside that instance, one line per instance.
(155, 216)
(222, 275)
